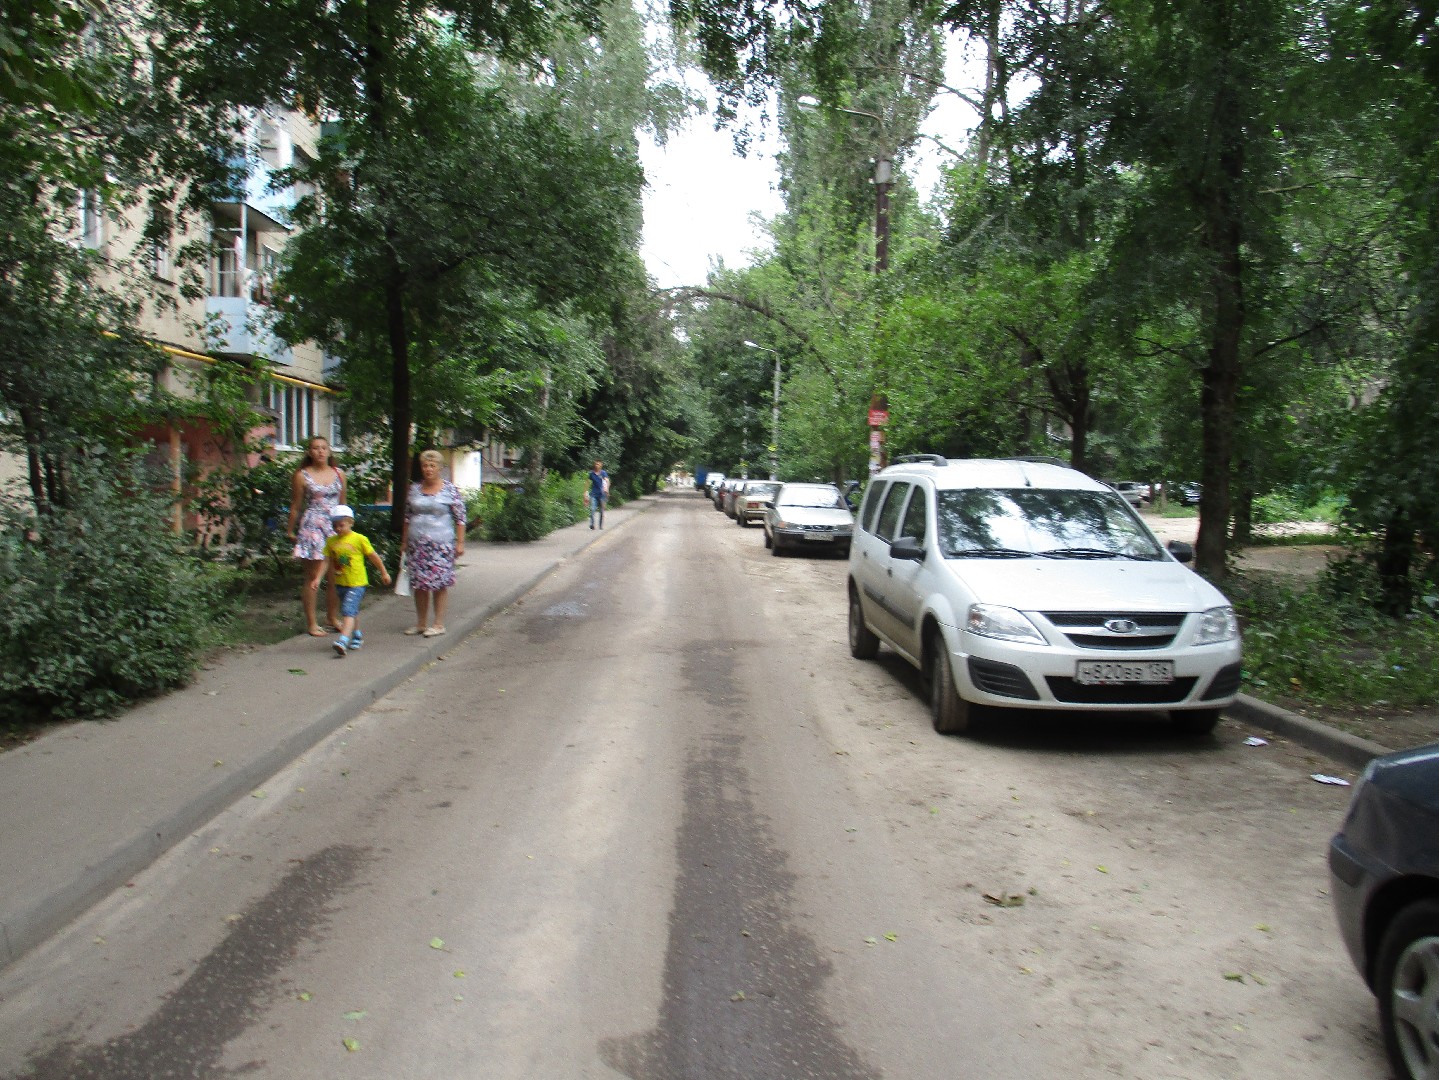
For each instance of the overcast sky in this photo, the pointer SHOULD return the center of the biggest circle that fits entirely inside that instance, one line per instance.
(702, 196)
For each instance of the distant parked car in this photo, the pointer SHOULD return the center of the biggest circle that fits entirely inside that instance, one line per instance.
(1189, 494)
(724, 491)
(712, 481)
(754, 500)
(1135, 493)
(809, 516)
(1384, 881)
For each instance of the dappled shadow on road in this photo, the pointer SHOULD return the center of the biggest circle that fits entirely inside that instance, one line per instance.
(187, 1036)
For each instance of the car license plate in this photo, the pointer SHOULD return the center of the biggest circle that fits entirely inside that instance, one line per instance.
(1118, 672)
(819, 536)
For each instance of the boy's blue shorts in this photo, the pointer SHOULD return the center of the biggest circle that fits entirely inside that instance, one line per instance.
(350, 596)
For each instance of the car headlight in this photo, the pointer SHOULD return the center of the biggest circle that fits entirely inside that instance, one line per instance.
(990, 620)
(1217, 624)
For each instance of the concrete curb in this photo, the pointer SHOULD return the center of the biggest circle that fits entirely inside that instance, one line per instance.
(43, 917)
(1339, 745)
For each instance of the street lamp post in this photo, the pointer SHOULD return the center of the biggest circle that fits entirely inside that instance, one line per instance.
(883, 180)
(774, 413)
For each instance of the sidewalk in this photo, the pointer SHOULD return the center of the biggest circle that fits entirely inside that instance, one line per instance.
(84, 809)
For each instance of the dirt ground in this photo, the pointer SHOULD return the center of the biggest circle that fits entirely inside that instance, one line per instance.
(1383, 724)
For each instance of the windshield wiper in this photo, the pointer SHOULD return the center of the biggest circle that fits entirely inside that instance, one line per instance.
(1081, 553)
(995, 553)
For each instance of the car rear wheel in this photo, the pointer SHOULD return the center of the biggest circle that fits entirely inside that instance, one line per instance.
(774, 546)
(952, 715)
(1406, 980)
(1194, 721)
(863, 644)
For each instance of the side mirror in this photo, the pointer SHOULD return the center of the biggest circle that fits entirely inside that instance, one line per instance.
(907, 549)
(1181, 551)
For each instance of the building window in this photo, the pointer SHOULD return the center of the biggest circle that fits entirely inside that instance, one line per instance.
(296, 411)
(92, 219)
(160, 264)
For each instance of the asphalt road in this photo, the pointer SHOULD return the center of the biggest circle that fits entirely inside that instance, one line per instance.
(654, 822)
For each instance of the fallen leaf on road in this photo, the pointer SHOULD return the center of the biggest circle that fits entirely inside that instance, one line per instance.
(459, 974)
(891, 937)
(352, 1045)
(304, 995)
(357, 1014)
(871, 941)
(1102, 869)
(1004, 899)
(738, 997)
(436, 943)
(1234, 976)
(298, 671)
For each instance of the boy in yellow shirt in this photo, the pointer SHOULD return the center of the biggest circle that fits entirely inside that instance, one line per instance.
(346, 552)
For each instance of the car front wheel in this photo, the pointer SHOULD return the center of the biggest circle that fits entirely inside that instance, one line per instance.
(863, 644)
(1406, 980)
(951, 713)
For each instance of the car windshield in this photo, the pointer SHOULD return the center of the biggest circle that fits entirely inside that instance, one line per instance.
(1040, 523)
(820, 498)
(761, 490)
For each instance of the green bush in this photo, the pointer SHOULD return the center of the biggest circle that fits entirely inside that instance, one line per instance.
(524, 513)
(1324, 642)
(102, 603)
(254, 505)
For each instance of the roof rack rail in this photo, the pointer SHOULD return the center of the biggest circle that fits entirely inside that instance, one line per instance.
(1039, 459)
(922, 459)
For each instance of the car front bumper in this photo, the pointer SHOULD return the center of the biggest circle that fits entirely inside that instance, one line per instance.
(1003, 673)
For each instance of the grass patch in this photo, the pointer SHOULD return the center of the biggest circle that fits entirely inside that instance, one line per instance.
(1316, 644)
(1294, 539)
(264, 605)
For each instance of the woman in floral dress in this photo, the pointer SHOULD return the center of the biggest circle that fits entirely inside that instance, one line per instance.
(316, 487)
(432, 539)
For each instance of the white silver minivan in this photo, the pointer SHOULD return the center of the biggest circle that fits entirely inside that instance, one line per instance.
(1024, 584)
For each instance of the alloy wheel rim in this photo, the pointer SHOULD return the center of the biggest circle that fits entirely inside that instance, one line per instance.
(1415, 992)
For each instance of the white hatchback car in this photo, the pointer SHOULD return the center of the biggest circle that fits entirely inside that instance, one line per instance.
(1030, 585)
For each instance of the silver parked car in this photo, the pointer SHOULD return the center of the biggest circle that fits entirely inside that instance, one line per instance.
(754, 500)
(808, 516)
(1025, 585)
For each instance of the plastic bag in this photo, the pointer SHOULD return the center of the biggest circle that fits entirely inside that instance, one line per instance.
(402, 579)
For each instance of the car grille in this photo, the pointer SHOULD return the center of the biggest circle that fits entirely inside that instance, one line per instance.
(819, 528)
(1225, 683)
(1005, 680)
(1092, 629)
(1066, 689)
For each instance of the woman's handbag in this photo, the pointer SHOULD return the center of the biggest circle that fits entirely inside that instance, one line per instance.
(402, 579)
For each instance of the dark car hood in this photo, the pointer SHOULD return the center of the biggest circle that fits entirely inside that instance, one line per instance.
(1410, 775)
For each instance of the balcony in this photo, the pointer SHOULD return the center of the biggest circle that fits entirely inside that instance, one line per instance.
(243, 326)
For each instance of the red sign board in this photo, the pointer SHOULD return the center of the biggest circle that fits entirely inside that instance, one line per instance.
(878, 417)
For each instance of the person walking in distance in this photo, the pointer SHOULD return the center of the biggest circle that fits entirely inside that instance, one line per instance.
(317, 486)
(432, 539)
(599, 493)
(347, 551)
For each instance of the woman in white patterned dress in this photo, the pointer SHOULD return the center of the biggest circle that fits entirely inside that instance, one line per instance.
(316, 487)
(432, 539)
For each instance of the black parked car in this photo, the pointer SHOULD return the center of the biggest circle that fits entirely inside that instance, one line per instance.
(1384, 872)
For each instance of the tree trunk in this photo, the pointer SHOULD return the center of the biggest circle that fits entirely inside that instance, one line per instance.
(400, 412)
(1396, 557)
(1223, 240)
